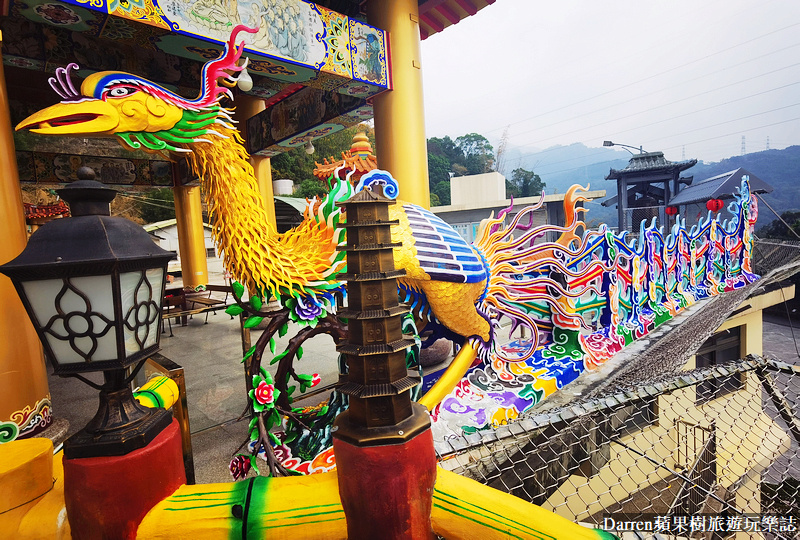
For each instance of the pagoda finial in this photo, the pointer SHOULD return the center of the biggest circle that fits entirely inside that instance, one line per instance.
(361, 146)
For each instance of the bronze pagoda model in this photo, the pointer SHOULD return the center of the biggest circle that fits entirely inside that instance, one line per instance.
(378, 382)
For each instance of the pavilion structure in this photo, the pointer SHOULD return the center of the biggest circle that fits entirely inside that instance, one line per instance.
(315, 68)
(356, 162)
(37, 215)
(644, 186)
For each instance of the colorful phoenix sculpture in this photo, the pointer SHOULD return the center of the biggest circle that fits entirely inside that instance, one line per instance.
(582, 297)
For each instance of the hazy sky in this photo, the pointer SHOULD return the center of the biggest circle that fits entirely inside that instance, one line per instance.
(671, 75)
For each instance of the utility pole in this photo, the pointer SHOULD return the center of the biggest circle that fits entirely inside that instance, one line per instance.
(743, 150)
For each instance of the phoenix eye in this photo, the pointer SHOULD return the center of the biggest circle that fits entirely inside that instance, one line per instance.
(121, 91)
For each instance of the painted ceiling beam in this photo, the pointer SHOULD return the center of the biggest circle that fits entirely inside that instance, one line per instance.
(448, 13)
(467, 6)
(441, 14)
(432, 21)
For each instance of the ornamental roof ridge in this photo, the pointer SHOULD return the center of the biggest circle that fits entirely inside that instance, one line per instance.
(650, 161)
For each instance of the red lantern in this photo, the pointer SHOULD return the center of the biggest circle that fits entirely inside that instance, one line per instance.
(671, 210)
(715, 205)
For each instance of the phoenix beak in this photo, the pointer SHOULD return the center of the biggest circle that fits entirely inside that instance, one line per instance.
(88, 117)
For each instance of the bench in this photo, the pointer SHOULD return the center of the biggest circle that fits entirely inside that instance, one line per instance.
(174, 307)
(181, 304)
(209, 302)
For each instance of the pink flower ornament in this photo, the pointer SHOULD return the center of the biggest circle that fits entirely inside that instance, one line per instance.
(265, 393)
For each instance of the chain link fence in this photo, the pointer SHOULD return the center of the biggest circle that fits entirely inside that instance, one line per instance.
(718, 441)
(708, 452)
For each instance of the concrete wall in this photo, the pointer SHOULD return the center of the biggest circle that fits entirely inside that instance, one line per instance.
(477, 189)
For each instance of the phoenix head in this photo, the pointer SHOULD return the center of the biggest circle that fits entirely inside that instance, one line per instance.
(141, 113)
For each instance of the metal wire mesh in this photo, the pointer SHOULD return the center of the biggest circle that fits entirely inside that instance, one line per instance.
(718, 443)
(771, 254)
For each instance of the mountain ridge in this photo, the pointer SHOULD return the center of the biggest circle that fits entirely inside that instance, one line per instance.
(562, 166)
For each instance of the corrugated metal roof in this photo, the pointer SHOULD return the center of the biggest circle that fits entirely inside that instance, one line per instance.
(297, 203)
(722, 186)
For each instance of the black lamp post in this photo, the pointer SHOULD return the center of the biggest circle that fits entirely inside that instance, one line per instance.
(93, 285)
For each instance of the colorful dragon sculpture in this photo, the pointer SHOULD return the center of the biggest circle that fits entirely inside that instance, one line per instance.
(462, 289)
(582, 296)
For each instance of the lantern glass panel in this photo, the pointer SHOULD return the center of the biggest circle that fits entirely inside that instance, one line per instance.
(141, 308)
(76, 316)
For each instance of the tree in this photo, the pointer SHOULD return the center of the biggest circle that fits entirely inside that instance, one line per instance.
(157, 205)
(468, 154)
(438, 169)
(500, 161)
(446, 148)
(459, 170)
(442, 190)
(478, 153)
(298, 166)
(524, 183)
(778, 230)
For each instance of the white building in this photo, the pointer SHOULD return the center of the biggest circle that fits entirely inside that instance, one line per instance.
(473, 198)
(165, 235)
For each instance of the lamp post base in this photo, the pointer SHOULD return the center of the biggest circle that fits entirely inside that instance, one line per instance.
(107, 497)
(84, 444)
(120, 425)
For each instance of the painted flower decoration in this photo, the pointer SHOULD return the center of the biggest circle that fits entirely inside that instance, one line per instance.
(307, 308)
(240, 466)
(264, 394)
(308, 381)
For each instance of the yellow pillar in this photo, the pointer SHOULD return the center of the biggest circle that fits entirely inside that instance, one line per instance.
(262, 167)
(191, 240)
(399, 115)
(23, 377)
(247, 107)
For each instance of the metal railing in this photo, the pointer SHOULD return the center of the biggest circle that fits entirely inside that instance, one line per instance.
(702, 474)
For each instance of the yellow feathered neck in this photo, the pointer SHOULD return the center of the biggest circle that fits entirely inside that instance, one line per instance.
(264, 261)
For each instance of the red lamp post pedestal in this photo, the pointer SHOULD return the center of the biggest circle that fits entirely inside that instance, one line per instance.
(387, 490)
(107, 497)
